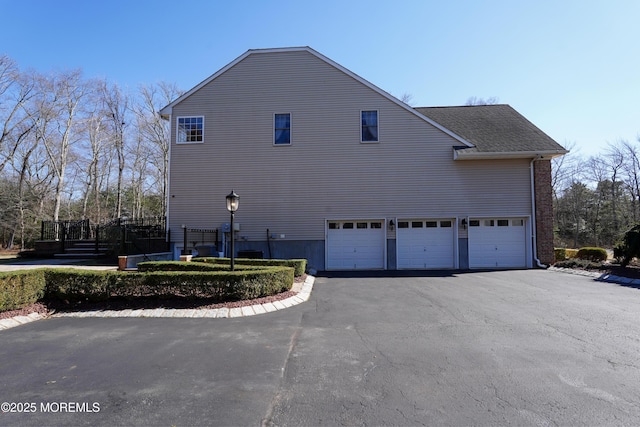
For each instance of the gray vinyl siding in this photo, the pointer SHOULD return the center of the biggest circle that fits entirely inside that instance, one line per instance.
(326, 172)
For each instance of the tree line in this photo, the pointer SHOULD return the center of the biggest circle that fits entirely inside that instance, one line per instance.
(76, 148)
(596, 199)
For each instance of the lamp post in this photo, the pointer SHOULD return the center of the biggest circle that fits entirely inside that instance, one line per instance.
(184, 239)
(233, 200)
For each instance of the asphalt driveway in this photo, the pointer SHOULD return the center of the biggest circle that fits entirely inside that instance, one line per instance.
(485, 348)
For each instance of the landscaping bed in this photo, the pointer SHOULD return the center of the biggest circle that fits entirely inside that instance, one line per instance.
(50, 305)
(156, 285)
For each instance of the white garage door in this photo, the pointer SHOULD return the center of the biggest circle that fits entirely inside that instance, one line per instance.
(497, 242)
(355, 245)
(425, 243)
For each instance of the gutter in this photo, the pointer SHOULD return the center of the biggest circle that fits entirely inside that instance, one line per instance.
(533, 216)
(460, 154)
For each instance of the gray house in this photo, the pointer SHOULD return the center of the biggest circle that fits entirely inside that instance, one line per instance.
(331, 168)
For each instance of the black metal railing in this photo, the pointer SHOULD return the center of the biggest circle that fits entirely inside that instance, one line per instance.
(66, 230)
(203, 240)
(119, 236)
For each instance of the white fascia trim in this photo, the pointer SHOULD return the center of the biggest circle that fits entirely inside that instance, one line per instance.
(166, 111)
(386, 95)
(546, 155)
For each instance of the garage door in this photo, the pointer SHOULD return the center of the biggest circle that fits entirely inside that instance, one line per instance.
(497, 242)
(425, 243)
(355, 245)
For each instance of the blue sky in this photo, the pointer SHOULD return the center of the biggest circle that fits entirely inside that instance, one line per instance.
(571, 67)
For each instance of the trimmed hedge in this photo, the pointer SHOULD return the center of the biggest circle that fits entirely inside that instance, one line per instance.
(91, 285)
(188, 266)
(571, 253)
(560, 254)
(21, 288)
(299, 265)
(592, 254)
(579, 263)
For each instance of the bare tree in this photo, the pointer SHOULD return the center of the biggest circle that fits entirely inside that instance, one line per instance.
(62, 96)
(565, 169)
(615, 162)
(16, 89)
(473, 100)
(632, 176)
(155, 130)
(406, 98)
(117, 105)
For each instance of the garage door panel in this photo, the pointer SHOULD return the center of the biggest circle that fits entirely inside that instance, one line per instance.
(425, 244)
(355, 245)
(497, 243)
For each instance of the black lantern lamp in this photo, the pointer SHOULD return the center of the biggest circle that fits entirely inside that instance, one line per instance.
(233, 200)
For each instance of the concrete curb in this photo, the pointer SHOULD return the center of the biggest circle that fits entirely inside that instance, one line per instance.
(303, 294)
(609, 278)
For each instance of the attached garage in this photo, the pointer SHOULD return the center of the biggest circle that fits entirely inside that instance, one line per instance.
(498, 243)
(355, 245)
(425, 244)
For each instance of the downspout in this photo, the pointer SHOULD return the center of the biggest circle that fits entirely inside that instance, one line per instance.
(533, 215)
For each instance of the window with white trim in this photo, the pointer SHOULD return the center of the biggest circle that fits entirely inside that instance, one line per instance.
(369, 126)
(190, 130)
(282, 129)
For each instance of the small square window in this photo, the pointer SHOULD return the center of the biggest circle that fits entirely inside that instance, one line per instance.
(362, 225)
(369, 126)
(503, 223)
(517, 222)
(282, 129)
(445, 224)
(334, 226)
(474, 223)
(403, 224)
(376, 225)
(416, 224)
(347, 226)
(432, 224)
(190, 130)
(489, 223)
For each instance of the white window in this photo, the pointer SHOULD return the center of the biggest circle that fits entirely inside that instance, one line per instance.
(282, 129)
(190, 130)
(369, 126)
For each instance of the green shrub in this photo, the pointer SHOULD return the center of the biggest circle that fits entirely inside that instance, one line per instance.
(560, 254)
(21, 288)
(579, 263)
(189, 266)
(299, 265)
(75, 284)
(571, 253)
(629, 247)
(592, 254)
(91, 285)
(18, 289)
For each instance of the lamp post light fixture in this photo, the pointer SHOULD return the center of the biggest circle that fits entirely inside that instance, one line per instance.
(233, 200)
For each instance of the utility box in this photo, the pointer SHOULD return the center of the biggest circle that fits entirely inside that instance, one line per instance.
(226, 227)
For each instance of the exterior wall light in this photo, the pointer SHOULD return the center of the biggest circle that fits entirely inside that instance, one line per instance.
(233, 200)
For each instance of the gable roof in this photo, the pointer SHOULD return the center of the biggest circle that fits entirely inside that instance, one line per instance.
(496, 131)
(166, 111)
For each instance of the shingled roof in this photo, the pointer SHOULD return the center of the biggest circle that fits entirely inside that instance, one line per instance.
(496, 131)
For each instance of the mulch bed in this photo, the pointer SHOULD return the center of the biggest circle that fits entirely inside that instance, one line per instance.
(47, 307)
(631, 271)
